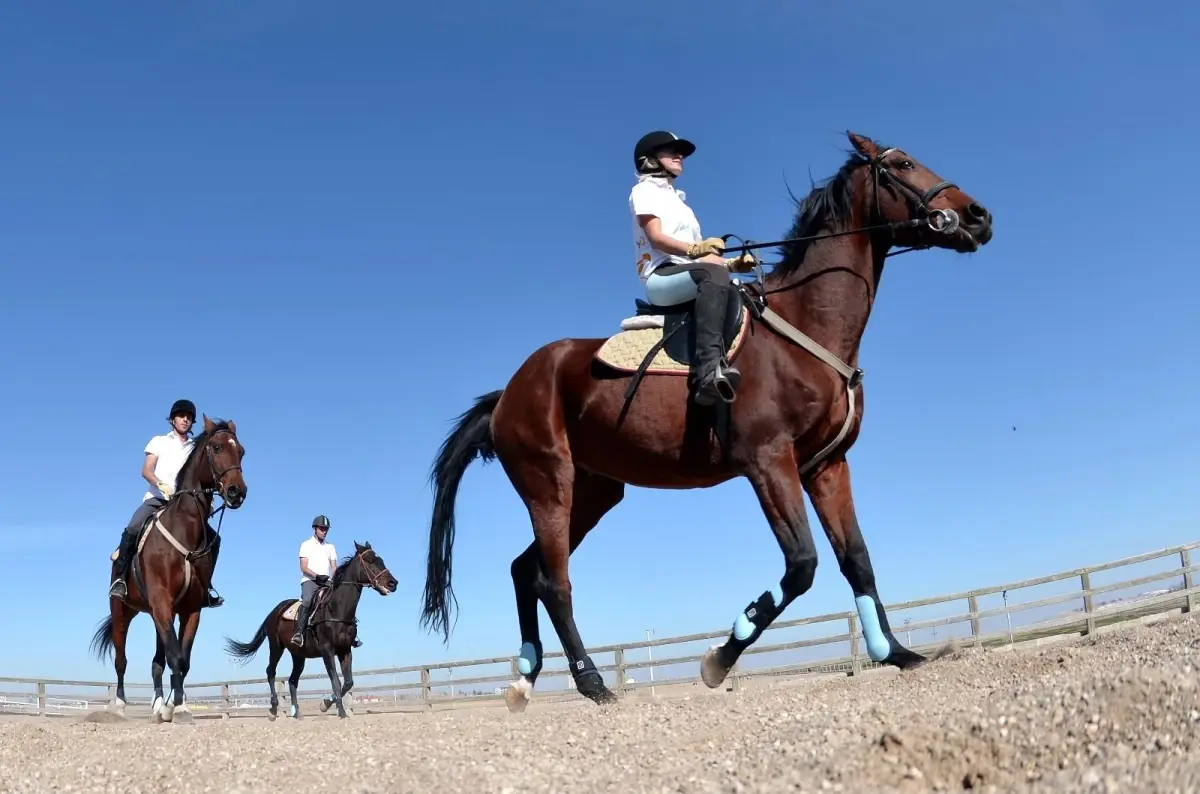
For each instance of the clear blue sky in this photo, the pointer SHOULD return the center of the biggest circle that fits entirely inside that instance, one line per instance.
(269, 207)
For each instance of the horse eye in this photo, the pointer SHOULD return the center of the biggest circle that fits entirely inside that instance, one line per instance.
(907, 165)
(217, 447)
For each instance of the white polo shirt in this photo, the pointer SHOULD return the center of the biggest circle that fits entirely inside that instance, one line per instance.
(654, 195)
(321, 557)
(172, 454)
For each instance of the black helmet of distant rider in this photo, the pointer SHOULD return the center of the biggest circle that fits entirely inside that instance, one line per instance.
(645, 151)
(182, 408)
(320, 522)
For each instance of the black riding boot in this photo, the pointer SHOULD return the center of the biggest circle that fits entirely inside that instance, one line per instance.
(213, 599)
(124, 555)
(715, 380)
(301, 626)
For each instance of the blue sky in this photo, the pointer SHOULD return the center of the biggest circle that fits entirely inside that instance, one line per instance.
(338, 225)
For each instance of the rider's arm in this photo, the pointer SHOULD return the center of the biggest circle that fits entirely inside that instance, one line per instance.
(304, 568)
(148, 469)
(665, 242)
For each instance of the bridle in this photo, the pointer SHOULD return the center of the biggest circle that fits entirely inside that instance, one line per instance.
(373, 579)
(219, 489)
(944, 221)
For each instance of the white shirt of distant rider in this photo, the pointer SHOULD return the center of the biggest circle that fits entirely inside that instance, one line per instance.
(654, 195)
(172, 452)
(321, 557)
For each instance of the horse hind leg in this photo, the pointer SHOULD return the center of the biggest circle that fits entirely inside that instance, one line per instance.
(776, 483)
(275, 648)
(122, 616)
(540, 573)
(294, 681)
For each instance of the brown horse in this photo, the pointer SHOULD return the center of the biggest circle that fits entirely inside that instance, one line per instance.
(570, 436)
(169, 574)
(331, 630)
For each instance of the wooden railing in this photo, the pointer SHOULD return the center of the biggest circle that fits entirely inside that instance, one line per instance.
(789, 647)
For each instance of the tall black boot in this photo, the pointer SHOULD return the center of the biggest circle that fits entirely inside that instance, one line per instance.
(301, 626)
(715, 380)
(124, 555)
(213, 599)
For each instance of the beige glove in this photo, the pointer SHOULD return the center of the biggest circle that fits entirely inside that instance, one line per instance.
(742, 263)
(710, 245)
(167, 490)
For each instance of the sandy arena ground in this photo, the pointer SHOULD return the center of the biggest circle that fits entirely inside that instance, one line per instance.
(1120, 714)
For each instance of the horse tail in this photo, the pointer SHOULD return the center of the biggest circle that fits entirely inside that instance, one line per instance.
(102, 645)
(243, 652)
(471, 436)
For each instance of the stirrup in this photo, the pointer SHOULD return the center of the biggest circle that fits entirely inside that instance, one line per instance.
(298, 639)
(118, 589)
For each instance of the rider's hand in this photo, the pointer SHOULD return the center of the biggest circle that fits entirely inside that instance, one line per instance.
(321, 579)
(167, 490)
(710, 245)
(742, 263)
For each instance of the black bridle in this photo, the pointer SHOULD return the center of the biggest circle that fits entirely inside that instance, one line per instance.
(219, 489)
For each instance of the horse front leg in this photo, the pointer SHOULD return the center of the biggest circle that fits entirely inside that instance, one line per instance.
(157, 665)
(190, 624)
(164, 622)
(346, 661)
(324, 643)
(830, 492)
(294, 679)
(776, 483)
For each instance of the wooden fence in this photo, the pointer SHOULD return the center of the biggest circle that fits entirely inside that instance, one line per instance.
(1077, 602)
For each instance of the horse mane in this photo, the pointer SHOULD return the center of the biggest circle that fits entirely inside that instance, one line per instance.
(343, 566)
(827, 206)
(198, 443)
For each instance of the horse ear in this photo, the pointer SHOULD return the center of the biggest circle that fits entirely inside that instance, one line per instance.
(357, 547)
(208, 424)
(232, 426)
(862, 144)
(367, 545)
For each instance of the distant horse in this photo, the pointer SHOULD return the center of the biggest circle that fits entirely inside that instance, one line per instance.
(169, 573)
(570, 430)
(332, 628)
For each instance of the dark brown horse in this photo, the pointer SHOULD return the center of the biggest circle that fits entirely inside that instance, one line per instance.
(170, 572)
(331, 630)
(569, 442)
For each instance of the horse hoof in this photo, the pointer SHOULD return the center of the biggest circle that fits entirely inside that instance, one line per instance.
(183, 718)
(517, 696)
(325, 704)
(271, 716)
(712, 671)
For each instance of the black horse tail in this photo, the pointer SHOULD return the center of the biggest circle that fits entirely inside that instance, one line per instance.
(472, 435)
(243, 652)
(102, 641)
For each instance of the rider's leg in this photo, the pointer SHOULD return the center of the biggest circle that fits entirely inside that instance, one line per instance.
(129, 544)
(213, 599)
(711, 287)
(307, 591)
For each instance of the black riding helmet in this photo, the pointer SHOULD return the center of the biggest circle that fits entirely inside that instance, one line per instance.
(321, 521)
(651, 142)
(182, 408)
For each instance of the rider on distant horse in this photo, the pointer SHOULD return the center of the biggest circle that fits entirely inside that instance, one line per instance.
(676, 265)
(318, 562)
(165, 456)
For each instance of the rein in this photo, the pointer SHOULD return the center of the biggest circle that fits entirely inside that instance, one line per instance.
(373, 579)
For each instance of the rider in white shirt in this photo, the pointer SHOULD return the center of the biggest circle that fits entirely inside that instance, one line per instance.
(165, 456)
(676, 264)
(318, 564)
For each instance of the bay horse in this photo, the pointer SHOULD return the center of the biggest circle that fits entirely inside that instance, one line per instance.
(169, 573)
(332, 628)
(570, 436)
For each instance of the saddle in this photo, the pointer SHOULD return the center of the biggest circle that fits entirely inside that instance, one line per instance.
(319, 600)
(661, 340)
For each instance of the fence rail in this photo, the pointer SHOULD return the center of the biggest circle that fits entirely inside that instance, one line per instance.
(789, 647)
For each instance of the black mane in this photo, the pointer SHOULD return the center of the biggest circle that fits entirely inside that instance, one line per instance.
(343, 566)
(826, 207)
(197, 451)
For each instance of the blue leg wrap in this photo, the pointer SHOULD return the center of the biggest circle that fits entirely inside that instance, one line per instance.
(527, 659)
(878, 645)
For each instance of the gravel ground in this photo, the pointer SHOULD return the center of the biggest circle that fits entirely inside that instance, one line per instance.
(1118, 714)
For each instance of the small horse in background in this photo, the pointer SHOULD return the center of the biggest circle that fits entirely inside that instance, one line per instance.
(172, 566)
(571, 431)
(332, 628)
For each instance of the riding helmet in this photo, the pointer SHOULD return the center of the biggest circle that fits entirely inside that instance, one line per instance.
(651, 142)
(321, 521)
(183, 408)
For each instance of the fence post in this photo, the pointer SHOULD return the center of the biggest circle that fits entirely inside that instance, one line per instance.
(42, 700)
(1086, 582)
(619, 663)
(852, 626)
(973, 606)
(426, 697)
(226, 704)
(1185, 561)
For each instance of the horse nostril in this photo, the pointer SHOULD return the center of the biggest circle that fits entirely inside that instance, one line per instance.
(978, 211)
